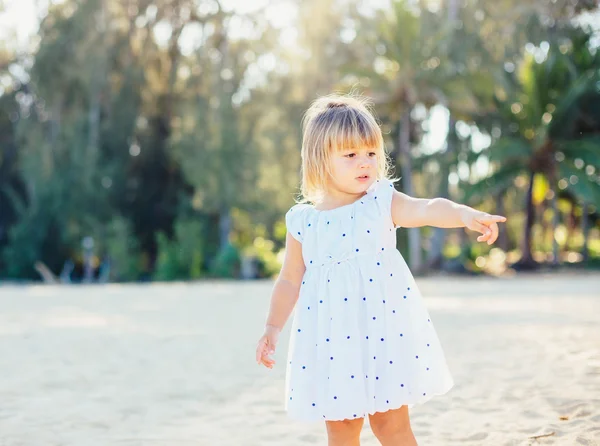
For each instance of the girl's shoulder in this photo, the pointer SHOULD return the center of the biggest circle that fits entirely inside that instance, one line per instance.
(295, 218)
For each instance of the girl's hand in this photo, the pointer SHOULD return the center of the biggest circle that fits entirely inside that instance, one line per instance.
(482, 222)
(266, 346)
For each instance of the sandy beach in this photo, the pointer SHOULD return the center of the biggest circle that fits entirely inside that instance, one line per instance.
(173, 364)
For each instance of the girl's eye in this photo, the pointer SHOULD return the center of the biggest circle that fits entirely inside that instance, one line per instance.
(350, 155)
(372, 154)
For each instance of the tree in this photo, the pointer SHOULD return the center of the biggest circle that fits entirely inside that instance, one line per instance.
(547, 125)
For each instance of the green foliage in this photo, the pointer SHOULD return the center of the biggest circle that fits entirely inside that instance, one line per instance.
(123, 249)
(180, 258)
(24, 247)
(104, 120)
(227, 262)
(263, 251)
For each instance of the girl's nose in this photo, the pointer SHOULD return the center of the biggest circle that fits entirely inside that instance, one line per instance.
(363, 161)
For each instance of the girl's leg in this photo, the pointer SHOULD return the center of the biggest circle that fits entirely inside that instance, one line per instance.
(345, 432)
(392, 428)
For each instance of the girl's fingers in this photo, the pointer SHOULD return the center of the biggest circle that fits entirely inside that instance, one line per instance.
(476, 226)
(267, 362)
(494, 236)
(487, 218)
(262, 344)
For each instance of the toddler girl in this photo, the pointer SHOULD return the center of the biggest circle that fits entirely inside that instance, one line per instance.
(362, 341)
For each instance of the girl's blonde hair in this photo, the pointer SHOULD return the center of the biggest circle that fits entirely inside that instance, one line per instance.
(333, 123)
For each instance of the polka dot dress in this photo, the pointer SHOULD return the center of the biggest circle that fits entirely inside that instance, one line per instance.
(362, 340)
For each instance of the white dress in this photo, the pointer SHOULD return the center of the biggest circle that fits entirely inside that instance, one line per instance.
(361, 340)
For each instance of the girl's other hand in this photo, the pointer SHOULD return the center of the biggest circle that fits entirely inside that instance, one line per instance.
(266, 346)
(482, 222)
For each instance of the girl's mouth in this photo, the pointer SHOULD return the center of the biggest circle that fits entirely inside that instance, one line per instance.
(363, 178)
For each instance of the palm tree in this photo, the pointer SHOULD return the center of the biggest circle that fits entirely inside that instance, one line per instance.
(396, 49)
(549, 127)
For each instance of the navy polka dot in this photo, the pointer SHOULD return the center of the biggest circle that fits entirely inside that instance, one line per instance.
(299, 330)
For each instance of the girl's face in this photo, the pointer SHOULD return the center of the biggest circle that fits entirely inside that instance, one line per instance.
(353, 170)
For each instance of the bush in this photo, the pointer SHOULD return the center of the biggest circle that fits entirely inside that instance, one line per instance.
(182, 257)
(227, 262)
(123, 250)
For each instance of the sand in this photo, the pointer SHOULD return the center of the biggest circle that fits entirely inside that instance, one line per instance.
(173, 364)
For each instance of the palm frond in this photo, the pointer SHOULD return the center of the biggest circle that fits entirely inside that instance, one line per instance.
(586, 149)
(585, 187)
(499, 180)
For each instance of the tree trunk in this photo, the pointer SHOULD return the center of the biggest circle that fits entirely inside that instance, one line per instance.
(435, 256)
(224, 226)
(585, 229)
(527, 261)
(502, 233)
(555, 219)
(414, 234)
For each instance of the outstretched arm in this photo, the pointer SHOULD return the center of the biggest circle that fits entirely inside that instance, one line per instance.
(412, 212)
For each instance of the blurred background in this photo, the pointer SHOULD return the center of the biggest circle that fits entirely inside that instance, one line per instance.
(159, 140)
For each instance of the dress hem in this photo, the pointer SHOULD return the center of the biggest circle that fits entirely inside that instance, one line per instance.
(364, 415)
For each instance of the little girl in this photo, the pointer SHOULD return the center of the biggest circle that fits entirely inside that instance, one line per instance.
(362, 341)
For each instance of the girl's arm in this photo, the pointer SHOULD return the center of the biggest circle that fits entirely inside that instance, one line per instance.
(287, 286)
(412, 212)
